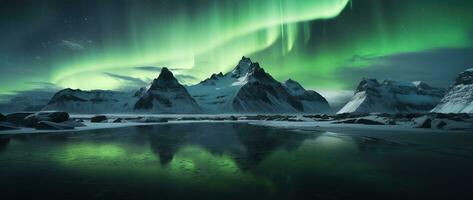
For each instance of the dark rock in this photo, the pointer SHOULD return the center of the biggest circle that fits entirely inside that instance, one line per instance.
(118, 120)
(360, 121)
(155, 120)
(47, 125)
(2, 118)
(33, 119)
(98, 118)
(166, 95)
(17, 118)
(427, 123)
(441, 124)
(58, 117)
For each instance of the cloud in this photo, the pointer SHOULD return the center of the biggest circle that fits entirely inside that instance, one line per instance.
(45, 86)
(156, 69)
(74, 46)
(186, 77)
(132, 82)
(438, 67)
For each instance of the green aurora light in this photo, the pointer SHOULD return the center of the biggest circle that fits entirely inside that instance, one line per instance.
(309, 41)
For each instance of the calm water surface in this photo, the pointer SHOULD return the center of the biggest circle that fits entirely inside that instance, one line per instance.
(235, 161)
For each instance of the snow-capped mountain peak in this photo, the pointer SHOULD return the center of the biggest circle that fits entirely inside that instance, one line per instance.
(459, 98)
(393, 97)
(244, 67)
(166, 95)
(248, 88)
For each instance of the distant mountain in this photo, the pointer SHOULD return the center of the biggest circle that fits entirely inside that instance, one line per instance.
(26, 103)
(311, 100)
(166, 95)
(393, 97)
(249, 89)
(95, 101)
(459, 98)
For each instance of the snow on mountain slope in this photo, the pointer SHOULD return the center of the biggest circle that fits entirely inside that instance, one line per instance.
(459, 98)
(95, 101)
(311, 100)
(392, 97)
(166, 95)
(249, 89)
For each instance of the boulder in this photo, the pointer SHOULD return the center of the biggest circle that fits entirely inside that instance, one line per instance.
(98, 118)
(17, 118)
(33, 119)
(47, 125)
(118, 120)
(2, 118)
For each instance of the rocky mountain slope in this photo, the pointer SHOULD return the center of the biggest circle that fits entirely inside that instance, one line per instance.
(166, 95)
(393, 97)
(459, 98)
(249, 89)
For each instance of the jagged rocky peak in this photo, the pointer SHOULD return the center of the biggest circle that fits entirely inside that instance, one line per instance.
(294, 87)
(248, 88)
(166, 95)
(165, 81)
(465, 77)
(366, 83)
(244, 67)
(459, 98)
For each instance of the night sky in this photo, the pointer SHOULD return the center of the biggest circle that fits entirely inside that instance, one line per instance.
(324, 44)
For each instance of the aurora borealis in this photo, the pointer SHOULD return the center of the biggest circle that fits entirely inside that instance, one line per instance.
(324, 44)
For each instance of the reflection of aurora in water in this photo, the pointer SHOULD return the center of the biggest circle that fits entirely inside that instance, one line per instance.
(219, 159)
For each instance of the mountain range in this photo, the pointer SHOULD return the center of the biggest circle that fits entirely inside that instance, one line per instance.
(248, 88)
(245, 89)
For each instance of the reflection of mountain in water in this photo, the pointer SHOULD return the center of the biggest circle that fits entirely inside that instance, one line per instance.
(248, 145)
(260, 142)
(370, 144)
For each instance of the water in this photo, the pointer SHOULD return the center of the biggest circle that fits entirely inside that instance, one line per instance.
(235, 161)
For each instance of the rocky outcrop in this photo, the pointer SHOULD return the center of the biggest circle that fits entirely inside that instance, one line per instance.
(57, 117)
(98, 118)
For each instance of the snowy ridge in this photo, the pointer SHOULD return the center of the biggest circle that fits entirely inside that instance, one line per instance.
(393, 97)
(459, 98)
(249, 89)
